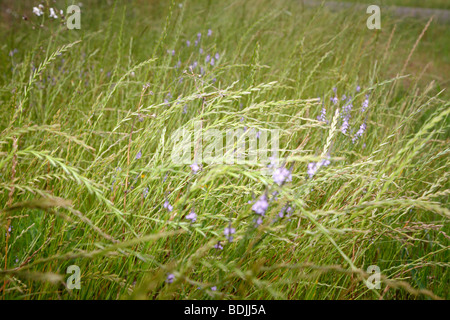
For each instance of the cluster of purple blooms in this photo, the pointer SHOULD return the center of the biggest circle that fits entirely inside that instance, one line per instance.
(168, 206)
(313, 167)
(282, 175)
(228, 233)
(195, 168)
(192, 216)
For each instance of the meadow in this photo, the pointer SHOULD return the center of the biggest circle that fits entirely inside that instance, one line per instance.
(87, 176)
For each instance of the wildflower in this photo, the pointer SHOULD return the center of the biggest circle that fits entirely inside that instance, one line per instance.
(260, 206)
(53, 14)
(208, 57)
(358, 88)
(217, 56)
(200, 50)
(192, 216)
(360, 132)
(38, 11)
(285, 209)
(199, 36)
(281, 175)
(218, 246)
(212, 61)
(323, 115)
(258, 221)
(188, 43)
(196, 43)
(168, 206)
(185, 109)
(214, 288)
(345, 124)
(145, 192)
(195, 167)
(314, 166)
(228, 232)
(170, 278)
(335, 100)
(209, 33)
(139, 155)
(365, 104)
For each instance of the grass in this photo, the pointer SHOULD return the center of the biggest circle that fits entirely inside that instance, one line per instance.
(80, 105)
(431, 4)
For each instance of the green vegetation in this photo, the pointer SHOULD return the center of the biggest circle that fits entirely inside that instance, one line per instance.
(431, 4)
(86, 173)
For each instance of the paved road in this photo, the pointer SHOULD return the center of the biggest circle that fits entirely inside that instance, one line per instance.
(441, 15)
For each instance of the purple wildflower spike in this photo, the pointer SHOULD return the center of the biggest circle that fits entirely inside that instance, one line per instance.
(192, 216)
(168, 206)
(139, 155)
(260, 206)
(218, 246)
(228, 232)
(281, 175)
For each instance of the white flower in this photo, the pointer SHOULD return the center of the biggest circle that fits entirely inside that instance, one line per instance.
(37, 11)
(53, 14)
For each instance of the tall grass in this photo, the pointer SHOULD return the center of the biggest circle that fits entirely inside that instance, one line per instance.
(79, 106)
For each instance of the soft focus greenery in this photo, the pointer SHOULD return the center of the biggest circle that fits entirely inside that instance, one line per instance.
(77, 105)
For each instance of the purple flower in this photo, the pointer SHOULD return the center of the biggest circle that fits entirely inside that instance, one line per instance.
(195, 168)
(139, 155)
(200, 50)
(260, 206)
(188, 43)
(209, 33)
(285, 209)
(199, 36)
(345, 124)
(365, 104)
(192, 216)
(281, 175)
(208, 57)
(360, 132)
(228, 232)
(217, 56)
(335, 100)
(212, 61)
(258, 221)
(323, 115)
(214, 288)
(170, 278)
(314, 166)
(145, 192)
(358, 88)
(218, 246)
(168, 206)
